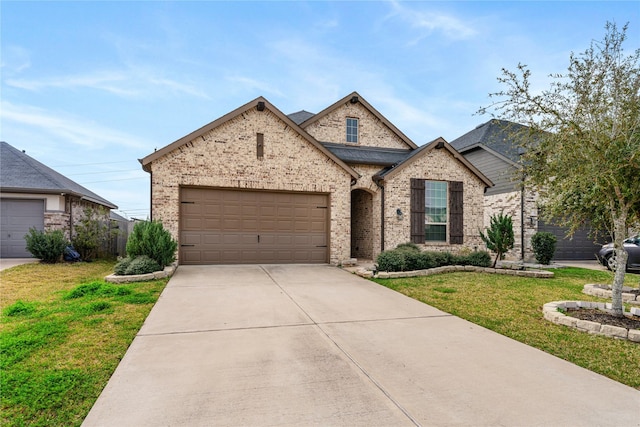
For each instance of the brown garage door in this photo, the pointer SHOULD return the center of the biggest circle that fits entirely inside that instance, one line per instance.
(243, 227)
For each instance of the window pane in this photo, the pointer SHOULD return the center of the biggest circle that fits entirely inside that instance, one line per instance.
(435, 213)
(435, 233)
(352, 130)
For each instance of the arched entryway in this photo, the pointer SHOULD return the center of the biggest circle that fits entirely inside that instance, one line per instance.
(361, 224)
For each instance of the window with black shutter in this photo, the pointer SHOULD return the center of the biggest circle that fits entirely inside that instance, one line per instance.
(437, 211)
(417, 210)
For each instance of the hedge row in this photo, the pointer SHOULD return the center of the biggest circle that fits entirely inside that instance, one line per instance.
(408, 257)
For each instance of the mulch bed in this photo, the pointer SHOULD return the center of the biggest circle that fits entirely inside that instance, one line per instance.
(594, 315)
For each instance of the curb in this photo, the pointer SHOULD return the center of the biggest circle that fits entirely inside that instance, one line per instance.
(551, 313)
(539, 274)
(167, 272)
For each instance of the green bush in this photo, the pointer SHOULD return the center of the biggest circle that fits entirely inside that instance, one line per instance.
(142, 265)
(151, 239)
(46, 246)
(122, 265)
(20, 308)
(479, 259)
(408, 247)
(499, 237)
(391, 261)
(544, 246)
(407, 259)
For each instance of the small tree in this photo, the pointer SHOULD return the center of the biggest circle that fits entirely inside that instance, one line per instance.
(586, 162)
(91, 233)
(499, 237)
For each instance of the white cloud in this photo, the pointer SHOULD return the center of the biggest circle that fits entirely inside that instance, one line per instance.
(129, 83)
(15, 59)
(68, 128)
(428, 22)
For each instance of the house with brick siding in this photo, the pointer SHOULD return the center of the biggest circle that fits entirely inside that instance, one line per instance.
(32, 195)
(494, 148)
(260, 186)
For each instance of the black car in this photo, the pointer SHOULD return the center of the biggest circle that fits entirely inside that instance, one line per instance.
(607, 255)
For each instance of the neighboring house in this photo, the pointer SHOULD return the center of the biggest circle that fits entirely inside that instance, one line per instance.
(258, 186)
(34, 195)
(492, 148)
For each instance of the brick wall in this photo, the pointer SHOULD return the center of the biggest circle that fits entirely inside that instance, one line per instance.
(510, 204)
(371, 131)
(437, 165)
(226, 157)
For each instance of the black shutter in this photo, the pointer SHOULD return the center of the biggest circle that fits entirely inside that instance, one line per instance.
(417, 210)
(456, 208)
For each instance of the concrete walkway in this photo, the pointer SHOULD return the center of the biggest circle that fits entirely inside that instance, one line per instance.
(12, 262)
(314, 345)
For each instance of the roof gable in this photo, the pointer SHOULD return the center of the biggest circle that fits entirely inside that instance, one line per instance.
(259, 104)
(22, 173)
(354, 97)
(436, 144)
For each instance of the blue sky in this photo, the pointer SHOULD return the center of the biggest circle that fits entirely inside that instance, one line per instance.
(90, 87)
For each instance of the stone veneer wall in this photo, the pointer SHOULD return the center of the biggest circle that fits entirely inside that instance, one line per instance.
(74, 211)
(371, 131)
(509, 204)
(225, 157)
(437, 165)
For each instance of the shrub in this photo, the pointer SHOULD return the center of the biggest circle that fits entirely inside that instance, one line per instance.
(46, 246)
(122, 265)
(413, 260)
(391, 261)
(412, 247)
(151, 239)
(142, 265)
(479, 259)
(544, 246)
(442, 258)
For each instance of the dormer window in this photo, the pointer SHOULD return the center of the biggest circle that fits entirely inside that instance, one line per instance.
(352, 130)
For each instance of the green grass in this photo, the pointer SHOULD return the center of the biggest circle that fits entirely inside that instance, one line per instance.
(63, 331)
(512, 306)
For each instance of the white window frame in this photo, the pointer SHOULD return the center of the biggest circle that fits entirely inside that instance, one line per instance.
(427, 216)
(350, 127)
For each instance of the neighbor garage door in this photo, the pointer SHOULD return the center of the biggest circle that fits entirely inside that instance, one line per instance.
(579, 247)
(242, 227)
(16, 217)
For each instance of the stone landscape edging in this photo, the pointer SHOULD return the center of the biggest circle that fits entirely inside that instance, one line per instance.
(551, 313)
(540, 274)
(167, 272)
(599, 291)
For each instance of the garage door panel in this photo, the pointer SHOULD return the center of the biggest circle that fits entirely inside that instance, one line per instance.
(17, 216)
(253, 227)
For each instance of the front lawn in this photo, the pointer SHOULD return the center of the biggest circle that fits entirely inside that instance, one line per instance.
(512, 306)
(63, 331)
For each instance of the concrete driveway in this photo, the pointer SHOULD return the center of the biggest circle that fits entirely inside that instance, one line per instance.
(299, 345)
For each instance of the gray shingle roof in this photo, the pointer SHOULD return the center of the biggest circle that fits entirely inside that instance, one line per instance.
(499, 135)
(352, 154)
(22, 173)
(300, 116)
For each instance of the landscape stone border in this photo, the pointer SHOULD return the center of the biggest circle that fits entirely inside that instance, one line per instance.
(540, 274)
(604, 291)
(167, 272)
(551, 313)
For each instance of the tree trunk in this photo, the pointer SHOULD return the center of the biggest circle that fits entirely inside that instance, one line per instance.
(619, 235)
